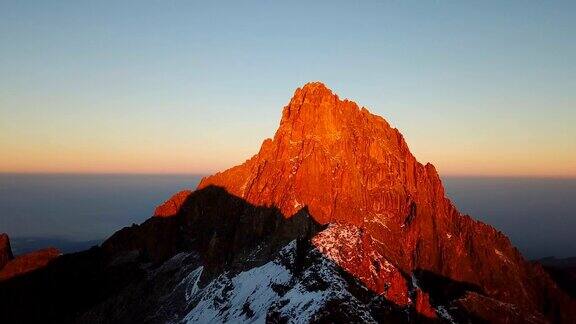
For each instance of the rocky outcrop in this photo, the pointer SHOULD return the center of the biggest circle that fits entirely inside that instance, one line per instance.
(172, 206)
(5, 250)
(28, 262)
(11, 267)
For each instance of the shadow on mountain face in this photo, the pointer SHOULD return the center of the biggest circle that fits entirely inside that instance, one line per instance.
(443, 290)
(562, 271)
(213, 229)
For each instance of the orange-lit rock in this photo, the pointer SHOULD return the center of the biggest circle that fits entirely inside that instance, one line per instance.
(423, 306)
(171, 206)
(351, 167)
(28, 262)
(357, 252)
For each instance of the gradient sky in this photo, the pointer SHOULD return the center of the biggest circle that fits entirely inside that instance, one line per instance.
(480, 88)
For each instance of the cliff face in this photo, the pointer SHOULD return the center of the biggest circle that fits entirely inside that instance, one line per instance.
(350, 167)
(340, 161)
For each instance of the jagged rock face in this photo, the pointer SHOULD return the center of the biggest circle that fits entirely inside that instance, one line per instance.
(5, 250)
(340, 161)
(349, 166)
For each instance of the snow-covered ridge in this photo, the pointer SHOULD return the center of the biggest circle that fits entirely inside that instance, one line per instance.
(274, 289)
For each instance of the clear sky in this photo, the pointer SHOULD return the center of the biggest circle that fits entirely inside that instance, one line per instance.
(477, 88)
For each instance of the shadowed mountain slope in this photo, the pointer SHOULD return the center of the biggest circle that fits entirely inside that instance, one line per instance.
(195, 266)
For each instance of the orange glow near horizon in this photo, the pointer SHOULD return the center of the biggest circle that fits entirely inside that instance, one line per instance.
(177, 147)
(193, 160)
(85, 90)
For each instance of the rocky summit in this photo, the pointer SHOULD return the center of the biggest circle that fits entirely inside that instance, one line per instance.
(333, 220)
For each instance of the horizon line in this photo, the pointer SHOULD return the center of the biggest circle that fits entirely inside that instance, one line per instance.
(202, 174)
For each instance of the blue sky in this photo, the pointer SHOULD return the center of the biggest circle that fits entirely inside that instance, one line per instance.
(182, 86)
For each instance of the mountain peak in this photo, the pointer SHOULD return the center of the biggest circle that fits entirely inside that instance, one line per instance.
(347, 167)
(315, 112)
(313, 99)
(326, 154)
(315, 87)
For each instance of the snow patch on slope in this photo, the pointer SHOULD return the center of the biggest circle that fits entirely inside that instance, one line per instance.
(273, 289)
(244, 297)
